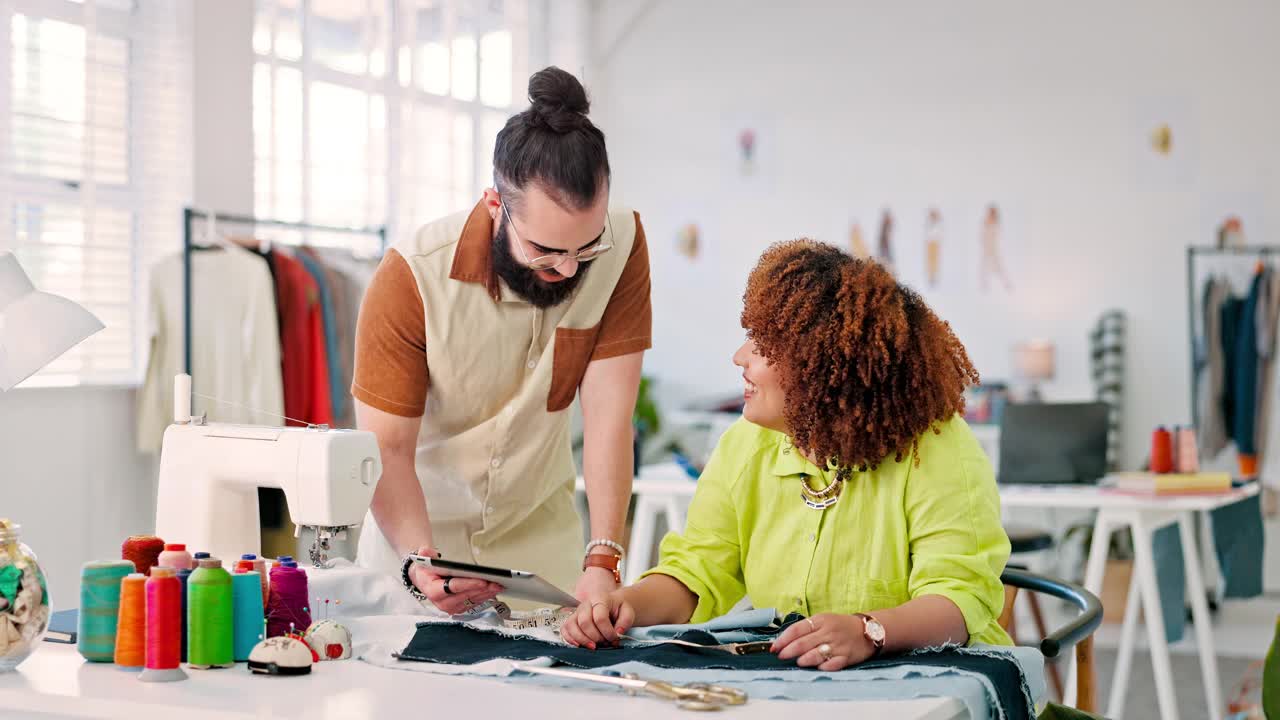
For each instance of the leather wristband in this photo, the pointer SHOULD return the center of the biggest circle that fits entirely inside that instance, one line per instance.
(608, 562)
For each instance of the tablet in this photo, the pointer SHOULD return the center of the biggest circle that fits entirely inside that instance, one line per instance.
(517, 584)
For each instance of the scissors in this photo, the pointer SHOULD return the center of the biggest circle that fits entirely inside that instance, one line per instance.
(692, 696)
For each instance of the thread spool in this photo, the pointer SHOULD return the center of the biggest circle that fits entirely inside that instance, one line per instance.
(1161, 451)
(247, 621)
(100, 608)
(209, 613)
(164, 626)
(287, 603)
(175, 555)
(1188, 455)
(260, 567)
(243, 566)
(143, 550)
(183, 576)
(131, 625)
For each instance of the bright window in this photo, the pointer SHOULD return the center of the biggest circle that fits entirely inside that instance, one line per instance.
(96, 120)
(373, 112)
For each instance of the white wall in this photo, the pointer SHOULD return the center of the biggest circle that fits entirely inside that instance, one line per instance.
(1043, 108)
(223, 106)
(69, 475)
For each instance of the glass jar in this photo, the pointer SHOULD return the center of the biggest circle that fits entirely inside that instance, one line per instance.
(24, 599)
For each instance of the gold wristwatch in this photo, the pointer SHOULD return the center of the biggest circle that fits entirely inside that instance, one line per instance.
(873, 631)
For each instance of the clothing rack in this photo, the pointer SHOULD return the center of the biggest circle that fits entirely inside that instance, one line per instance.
(1259, 252)
(190, 214)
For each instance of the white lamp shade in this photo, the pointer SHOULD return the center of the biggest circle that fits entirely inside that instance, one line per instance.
(35, 327)
(1034, 360)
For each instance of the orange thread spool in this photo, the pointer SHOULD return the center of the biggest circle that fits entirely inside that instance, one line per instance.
(143, 550)
(131, 625)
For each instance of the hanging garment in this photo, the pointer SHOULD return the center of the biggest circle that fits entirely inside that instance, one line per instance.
(344, 322)
(235, 345)
(1267, 316)
(303, 362)
(1245, 376)
(330, 334)
(1210, 362)
(1238, 542)
(1232, 309)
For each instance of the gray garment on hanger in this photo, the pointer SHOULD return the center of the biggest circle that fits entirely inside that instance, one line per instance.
(1268, 314)
(1211, 376)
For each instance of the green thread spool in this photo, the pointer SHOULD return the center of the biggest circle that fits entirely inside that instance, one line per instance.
(209, 617)
(100, 608)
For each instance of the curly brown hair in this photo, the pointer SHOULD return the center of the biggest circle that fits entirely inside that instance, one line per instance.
(865, 365)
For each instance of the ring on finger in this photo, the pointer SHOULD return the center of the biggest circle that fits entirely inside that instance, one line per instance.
(812, 627)
(825, 651)
(447, 591)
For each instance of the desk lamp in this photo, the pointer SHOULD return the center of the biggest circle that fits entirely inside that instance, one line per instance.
(35, 327)
(1033, 361)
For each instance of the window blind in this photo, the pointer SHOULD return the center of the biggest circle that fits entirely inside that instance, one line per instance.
(95, 165)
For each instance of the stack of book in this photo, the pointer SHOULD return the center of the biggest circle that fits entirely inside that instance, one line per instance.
(1147, 483)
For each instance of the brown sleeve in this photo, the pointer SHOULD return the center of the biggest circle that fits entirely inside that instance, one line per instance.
(627, 324)
(391, 342)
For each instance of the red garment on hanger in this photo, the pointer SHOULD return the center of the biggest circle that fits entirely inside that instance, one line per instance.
(304, 364)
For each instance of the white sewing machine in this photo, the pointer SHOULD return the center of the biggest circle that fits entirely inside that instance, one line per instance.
(210, 474)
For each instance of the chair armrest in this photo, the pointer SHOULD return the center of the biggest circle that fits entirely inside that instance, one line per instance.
(1080, 627)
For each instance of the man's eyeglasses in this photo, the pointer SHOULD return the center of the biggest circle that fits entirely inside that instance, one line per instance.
(555, 260)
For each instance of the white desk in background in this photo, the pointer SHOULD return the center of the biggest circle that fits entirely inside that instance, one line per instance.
(1144, 515)
(56, 683)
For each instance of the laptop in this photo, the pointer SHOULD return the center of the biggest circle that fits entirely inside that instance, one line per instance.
(1053, 443)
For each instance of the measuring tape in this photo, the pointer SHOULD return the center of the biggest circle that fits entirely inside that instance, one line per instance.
(512, 620)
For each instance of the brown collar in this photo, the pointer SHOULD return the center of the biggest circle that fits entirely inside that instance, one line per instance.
(473, 257)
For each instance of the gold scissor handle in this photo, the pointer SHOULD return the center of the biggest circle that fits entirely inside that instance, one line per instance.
(696, 693)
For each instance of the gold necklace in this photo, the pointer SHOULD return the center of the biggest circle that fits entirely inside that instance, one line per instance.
(824, 498)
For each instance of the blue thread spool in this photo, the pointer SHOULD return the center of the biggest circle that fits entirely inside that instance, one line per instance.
(248, 615)
(183, 574)
(100, 608)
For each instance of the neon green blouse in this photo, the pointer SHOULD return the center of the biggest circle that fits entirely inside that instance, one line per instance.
(896, 533)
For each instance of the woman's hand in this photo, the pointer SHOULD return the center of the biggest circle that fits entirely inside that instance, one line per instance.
(828, 642)
(599, 622)
(452, 595)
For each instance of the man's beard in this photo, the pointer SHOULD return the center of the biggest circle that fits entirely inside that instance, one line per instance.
(523, 281)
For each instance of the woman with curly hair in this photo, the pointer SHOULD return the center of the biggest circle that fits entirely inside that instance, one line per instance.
(852, 492)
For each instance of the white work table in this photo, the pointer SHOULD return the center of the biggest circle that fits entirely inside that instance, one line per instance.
(665, 489)
(56, 683)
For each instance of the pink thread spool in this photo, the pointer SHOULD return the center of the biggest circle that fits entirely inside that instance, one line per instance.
(175, 555)
(1188, 460)
(287, 602)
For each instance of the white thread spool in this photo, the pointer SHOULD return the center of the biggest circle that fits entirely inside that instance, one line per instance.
(182, 399)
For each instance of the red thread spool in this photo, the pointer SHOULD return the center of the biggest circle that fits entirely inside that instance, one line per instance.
(143, 551)
(1161, 451)
(244, 566)
(164, 619)
(131, 625)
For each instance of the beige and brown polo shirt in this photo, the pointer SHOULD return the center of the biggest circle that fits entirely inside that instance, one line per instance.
(492, 377)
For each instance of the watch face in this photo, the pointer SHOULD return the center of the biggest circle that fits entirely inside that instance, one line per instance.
(875, 631)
